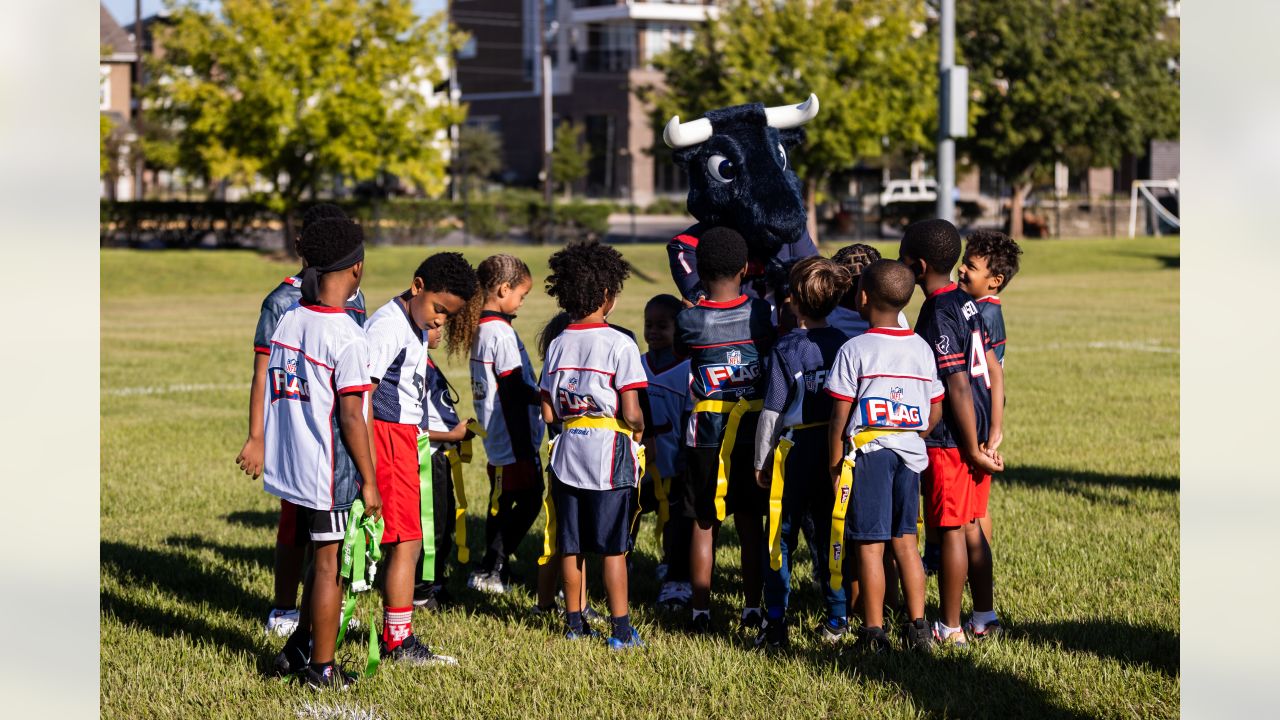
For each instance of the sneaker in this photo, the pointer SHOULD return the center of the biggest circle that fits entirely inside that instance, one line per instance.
(487, 582)
(833, 630)
(990, 631)
(628, 644)
(752, 620)
(942, 637)
(872, 640)
(674, 595)
(660, 572)
(589, 615)
(586, 633)
(431, 597)
(553, 609)
(291, 661)
(932, 558)
(282, 622)
(415, 653)
(917, 635)
(333, 676)
(772, 634)
(700, 624)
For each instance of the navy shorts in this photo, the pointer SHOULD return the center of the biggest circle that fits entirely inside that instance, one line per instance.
(592, 521)
(886, 498)
(702, 467)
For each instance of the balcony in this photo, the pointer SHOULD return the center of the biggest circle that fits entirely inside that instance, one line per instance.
(593, 12)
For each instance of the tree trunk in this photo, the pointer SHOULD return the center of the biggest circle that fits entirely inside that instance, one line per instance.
(1020, 192)
(811, 208)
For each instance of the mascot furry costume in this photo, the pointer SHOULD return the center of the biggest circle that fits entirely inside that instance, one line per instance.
(736, 160)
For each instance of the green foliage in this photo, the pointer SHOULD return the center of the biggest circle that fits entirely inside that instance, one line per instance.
(104, 147)
(1079, 83)
(287, 90)
(479, 155)
(569, 156)
(864, 60)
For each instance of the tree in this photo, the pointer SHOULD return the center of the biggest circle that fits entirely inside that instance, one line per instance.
(1072, 82)
(569, 157)
(479, 156)
(285, 91)
(871, 64)
(104, 147)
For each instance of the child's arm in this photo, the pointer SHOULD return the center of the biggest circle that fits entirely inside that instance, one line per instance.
(995, 434)
(457, 434)
(356, 432)
(629, 409)
(548, 412)
(935, 416)
(368, 426)
(966, 427)
(250, 457)
(835, 438)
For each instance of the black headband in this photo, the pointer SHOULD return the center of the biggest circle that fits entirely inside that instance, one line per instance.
(311, 273)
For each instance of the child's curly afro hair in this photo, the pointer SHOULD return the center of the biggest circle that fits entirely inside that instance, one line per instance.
(581, 276)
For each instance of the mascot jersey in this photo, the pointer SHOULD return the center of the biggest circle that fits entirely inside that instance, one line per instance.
(682, 252)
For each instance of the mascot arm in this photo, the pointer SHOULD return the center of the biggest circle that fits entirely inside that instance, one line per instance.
(682, 251)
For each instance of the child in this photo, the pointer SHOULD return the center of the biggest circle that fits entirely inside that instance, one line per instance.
(845, 317)
(990, 261)
(724, 336)
(668, 378)
(282, 619)
(441, 287)
(796, 406)
(881, 383)
(443, 432)
(317, 370)
(963, 447)
(590, 387)
(507, 407)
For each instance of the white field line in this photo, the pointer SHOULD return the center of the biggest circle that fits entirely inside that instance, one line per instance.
(1148, 346)
(172, 389)
(324, 711)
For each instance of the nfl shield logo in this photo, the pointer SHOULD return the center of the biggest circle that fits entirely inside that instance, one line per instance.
(572, 385)
(291, 366)
(734, 357)
(896, 394)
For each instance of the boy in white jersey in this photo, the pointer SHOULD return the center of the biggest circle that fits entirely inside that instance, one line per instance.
(886, 397)
(441, 287)
(316, 442)
(590, 385)
(504, 388)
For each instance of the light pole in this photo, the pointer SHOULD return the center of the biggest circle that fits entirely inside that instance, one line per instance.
(953, 121)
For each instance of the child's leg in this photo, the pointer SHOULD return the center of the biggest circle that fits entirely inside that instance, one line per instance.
(777, 583)
(571, 569)
(547, 582)
(522, 501)
(911, 569)
(615, 585)
(892, 597)
(493, 548)
(442, 506)
(985, 522)
(702, 549)
(751, 542)
(952, 574)
(401, 572)
(325, 602)
(871, 581)
(288, 572)
(980, 576)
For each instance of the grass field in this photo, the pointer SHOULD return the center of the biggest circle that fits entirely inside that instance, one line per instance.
(1086, 525)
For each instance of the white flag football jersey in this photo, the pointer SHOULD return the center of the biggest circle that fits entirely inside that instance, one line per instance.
(588, 368)
(317, 353)
(890, 377)
(398, 361)
(496, 352)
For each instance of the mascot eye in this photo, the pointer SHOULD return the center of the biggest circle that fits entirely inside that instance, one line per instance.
(783, 155)
(721, 168)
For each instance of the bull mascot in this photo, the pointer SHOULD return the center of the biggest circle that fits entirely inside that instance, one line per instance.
(739, 177)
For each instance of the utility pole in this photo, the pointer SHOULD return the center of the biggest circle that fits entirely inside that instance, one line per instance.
(138, 188)
(953, 121)
(546, 31)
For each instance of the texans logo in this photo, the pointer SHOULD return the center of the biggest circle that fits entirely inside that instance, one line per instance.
(943, 346)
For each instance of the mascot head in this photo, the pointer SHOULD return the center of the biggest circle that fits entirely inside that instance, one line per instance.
(739, 177)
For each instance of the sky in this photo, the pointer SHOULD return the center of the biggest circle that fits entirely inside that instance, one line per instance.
(122, 10)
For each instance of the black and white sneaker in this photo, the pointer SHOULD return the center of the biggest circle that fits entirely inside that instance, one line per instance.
(833, 630)
(700, 624)
(332, 676)
(872, 640)
(431, 597)
(772, 635)
(293, 659)
(415, 653)
(752, 620)
(917, 635)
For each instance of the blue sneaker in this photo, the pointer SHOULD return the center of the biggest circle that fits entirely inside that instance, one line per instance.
(633, 642)
(586, 633)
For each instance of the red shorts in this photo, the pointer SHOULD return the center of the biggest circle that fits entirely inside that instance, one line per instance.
(396, 445)
(954, 495)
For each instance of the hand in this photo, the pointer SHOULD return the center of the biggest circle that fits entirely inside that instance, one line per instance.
(372, 500)
(250, 457)
(994, 438)
(468, 434)
(764, 478)
(459, 432)
(983, 462)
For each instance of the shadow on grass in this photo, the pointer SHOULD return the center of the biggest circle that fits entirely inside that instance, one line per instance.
(253, 554)
(256, 519)
(1155, 647)
(169, 624)
(1083, 482)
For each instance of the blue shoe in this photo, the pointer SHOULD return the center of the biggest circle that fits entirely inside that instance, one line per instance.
(586, 633)
(633, 642)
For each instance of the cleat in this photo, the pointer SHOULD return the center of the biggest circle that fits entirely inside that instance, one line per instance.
(487, 582)
(752, 620)
(431, 597)
(630, 643)
(772, 635)
(586, 633)
(674, 595)
(990, 631)
(332, 677)
(942, 637)
(872, 640)
(700, 624)
(660, 572)
(916, 635)
(415, 653)
(282, 622)
(833, 630)
(589, 615)
(291, 661)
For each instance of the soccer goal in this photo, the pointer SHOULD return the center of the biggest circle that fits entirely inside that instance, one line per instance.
(1144, 188)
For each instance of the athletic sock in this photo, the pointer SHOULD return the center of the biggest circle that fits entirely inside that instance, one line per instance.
(945, 632)
(621, 627)
(983, 618)
(575, 621)
(319, 668)
(397, 624)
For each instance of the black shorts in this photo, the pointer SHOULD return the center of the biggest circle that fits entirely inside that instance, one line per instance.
(311, 525)
(702, 466)
(592, 521)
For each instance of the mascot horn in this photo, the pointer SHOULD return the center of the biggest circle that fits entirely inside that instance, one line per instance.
(739, 177)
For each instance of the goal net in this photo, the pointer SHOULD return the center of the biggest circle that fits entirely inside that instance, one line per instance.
(1150, 194)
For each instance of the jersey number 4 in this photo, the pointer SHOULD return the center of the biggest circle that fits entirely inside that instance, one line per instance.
(978, 360)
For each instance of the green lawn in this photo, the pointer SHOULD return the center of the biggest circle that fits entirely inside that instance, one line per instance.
(1086, 525)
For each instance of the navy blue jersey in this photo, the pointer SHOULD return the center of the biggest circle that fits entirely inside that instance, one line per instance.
(796, 373)
(441, 402)
(682, 253)
(725, 343)
(288, 292)
(993, 316)
(952, 325)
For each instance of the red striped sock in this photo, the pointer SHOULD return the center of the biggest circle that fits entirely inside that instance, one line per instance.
(397, 624)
